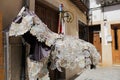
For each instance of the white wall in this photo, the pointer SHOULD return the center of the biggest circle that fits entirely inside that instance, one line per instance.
(97, 15)
(111, 13)
(94, 3)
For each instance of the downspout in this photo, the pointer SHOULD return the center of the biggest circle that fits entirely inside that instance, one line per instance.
(87, 17)
(7, 56)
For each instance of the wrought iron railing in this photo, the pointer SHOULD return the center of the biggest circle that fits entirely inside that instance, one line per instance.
(109, 2)
(83, 5)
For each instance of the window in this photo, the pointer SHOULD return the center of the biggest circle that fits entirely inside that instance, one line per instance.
(83, 31)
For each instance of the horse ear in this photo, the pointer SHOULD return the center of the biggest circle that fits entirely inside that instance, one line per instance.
(19, 16)
(21, 11)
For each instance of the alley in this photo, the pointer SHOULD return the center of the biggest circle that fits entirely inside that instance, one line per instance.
(104, 73)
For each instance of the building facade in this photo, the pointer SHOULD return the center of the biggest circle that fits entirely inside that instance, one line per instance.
(104, 23)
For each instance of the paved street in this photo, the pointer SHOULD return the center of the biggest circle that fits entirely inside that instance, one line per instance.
(109, 73)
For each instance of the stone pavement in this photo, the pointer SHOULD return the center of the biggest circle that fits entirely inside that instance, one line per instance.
(100, 73)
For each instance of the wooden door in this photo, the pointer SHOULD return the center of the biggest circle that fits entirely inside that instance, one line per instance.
(48, 15)
(1, 52)
(116, 43)
(94, 38)
(97, 42)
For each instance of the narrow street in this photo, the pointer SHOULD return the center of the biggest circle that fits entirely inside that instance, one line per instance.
(101, 73)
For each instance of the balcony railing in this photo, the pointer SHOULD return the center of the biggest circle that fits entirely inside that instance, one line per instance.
(109, 2)
(83, 5)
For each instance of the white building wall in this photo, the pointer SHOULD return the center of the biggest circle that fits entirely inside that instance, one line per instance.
(98, 15)
(94, 3)
(112, 13)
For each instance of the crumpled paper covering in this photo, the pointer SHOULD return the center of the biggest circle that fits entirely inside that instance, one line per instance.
(70, 52)
(42, 33)
(66, 51)
(46, 77)
(37, 70)
(17, 29)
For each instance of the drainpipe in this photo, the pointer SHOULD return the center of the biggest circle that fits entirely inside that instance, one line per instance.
(87, 16)
(7, 56)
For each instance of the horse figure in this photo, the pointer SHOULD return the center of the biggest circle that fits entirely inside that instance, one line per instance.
(65, 51)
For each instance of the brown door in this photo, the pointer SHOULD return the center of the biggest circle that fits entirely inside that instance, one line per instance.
(1, 52)
(97, 42)
(116, 43)
(48, 15)
(94, 38)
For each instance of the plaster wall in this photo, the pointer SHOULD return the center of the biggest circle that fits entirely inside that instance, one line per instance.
(71, 28)
(9, 9)
(94, 3)
(112, 13)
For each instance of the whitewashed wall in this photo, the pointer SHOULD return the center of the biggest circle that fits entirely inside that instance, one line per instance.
(111, 13)
(94, 3)
(98, 14)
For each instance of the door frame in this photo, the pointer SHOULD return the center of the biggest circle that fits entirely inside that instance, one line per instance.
(95, 29)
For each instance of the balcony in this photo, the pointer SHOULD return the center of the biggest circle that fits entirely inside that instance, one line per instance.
(109, 2)
(83, 5)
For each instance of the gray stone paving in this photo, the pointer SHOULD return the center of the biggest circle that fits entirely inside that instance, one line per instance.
(101, 73)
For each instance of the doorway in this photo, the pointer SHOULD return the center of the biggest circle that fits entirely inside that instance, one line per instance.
(115, 31)
(95, 38)
(83, 31)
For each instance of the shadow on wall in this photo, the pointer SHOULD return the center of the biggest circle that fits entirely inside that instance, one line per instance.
(112, 8)
(9, 10)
